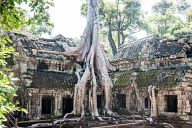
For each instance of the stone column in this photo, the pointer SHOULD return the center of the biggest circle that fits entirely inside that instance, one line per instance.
(39, 106)
(128, 101)
(58, 104)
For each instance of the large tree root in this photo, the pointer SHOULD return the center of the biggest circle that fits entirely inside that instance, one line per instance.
(95, 62)
(151, 91)
(135, 88)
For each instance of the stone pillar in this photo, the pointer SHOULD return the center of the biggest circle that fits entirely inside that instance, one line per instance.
(58, 105)
(161, 103)
(128, 100)
(39, 106)
(29, 107)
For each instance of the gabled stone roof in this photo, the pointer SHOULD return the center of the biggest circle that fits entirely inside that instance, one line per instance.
(53, 80)
(152, 47)
(30, 44)
(162, 78)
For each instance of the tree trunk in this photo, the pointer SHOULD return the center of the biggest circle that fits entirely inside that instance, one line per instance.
(151, 91)
(118, 34)
(111, 41)
(138, 97)
(118, 25)
(123, 38)
(92, 54)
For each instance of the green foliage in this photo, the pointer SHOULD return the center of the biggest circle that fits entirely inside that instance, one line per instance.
(7, 93)
(14, 18)
(163, 7)
(146, 78)
(26, 16)
(182, 6)
(7, 90)
(121, 18)
(170, 19)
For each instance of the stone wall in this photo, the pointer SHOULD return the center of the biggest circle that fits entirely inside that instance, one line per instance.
(184, 96)
(147, 64)
(149, 54)
(35, 102)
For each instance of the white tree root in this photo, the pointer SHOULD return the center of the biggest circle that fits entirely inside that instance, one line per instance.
(92, 54)
(151, 91)
(134, 86)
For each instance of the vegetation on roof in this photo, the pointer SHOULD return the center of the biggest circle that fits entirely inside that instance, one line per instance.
(158, 77)
(53, 80)
(152, 47)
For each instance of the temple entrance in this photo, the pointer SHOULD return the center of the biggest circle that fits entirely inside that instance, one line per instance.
(100, 101)
(190, 102)
(67, 104)
(42, 66)
(147, 103)
(132, 105)
(189, 53)
(47, 105)
(171, 103)
(121, 100)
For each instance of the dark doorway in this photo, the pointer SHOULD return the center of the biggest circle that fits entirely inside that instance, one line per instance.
(100, 101)
(147, 103)
(42, 66)
(67, 104)
(171, 103)
(47, 105)
(121, 100)
(189, 53)
(190, 102)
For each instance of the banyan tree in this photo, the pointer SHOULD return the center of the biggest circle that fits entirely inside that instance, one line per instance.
(95, 64)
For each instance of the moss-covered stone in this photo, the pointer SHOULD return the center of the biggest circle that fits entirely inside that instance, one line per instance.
(159, 77)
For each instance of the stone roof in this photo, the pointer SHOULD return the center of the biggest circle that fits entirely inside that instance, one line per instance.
(161, 78)
(53, 80)
(169, 77)
(151, 47)
(57, 43)
(56, 71)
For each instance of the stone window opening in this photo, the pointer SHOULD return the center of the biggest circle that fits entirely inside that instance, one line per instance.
(147, 103)
(47, 105)
(121, 100)
(67, 104)
(42, 66)
(100, 101)
(171, 101)
(189, 53)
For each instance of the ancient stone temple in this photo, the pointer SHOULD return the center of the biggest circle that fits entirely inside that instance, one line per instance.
(165, 64)
(47, 76)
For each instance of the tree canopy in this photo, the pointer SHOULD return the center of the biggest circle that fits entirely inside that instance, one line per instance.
(170, 19)
(14, 18)
(25, 16)
(119, 21)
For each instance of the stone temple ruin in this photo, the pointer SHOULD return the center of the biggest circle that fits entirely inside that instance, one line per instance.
(165, 64)
(48, 78)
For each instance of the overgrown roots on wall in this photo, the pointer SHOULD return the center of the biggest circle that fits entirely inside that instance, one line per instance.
(95, 62)
(151, 91)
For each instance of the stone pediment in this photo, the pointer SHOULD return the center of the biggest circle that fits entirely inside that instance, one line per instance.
(152, 48)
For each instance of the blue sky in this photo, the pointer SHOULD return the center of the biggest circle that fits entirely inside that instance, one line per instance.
(68, 21)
